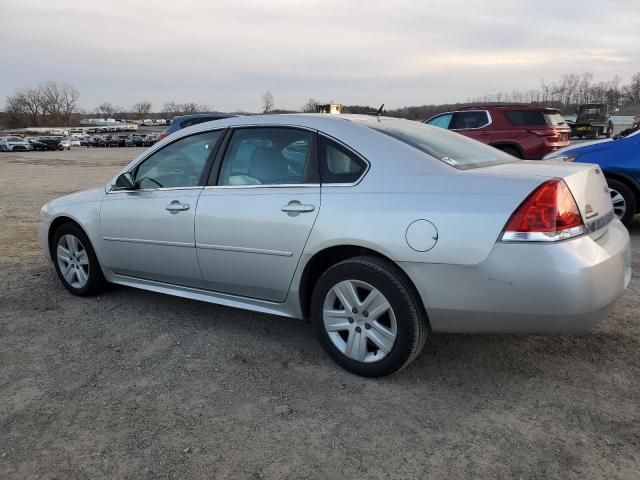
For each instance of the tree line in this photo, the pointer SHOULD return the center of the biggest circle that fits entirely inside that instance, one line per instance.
(52, 104)
(56, 104)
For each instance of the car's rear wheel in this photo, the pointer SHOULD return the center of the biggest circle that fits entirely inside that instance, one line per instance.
(623, 199)
(75, 261)
(367, 317)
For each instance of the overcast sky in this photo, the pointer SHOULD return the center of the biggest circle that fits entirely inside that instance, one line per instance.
(227, 53)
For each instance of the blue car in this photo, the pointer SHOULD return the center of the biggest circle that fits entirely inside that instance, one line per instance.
(619, 160)
(184, 121)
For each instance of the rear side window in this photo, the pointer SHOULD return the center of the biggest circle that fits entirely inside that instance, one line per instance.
(464, 120)
(267, 156)
(337, 164)
(525, 117)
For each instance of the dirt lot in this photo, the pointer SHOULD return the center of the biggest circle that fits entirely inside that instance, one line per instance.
(134, 385)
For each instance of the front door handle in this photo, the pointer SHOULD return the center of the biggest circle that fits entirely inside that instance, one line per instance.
(295, 207)
(176, 206)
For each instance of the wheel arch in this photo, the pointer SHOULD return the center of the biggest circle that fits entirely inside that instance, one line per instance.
(503, 143)
(324, 259)
(57, 223)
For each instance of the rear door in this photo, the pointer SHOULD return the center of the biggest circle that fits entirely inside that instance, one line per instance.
(254, 218)
(473, 124)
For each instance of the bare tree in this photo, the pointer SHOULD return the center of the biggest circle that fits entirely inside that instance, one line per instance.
(50, 102)
(106, 109)
(267, 102)
(27, 106)
(142, 109)
(171, 108)
(311, 106)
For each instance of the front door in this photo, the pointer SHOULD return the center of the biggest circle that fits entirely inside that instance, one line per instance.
(253, 222)
(148, 232)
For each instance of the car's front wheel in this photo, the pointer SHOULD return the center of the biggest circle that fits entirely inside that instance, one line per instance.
(367, 317)
(75, 261)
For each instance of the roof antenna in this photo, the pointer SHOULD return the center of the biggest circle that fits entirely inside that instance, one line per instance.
(379, 112)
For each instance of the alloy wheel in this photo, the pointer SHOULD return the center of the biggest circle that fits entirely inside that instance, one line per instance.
(359, 321)
(619, 203)
(73, 261)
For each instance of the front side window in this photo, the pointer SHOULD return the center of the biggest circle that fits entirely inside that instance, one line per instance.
(465, 120)
(442, 121)
(266, 156)
(337, 164)
(179, 164)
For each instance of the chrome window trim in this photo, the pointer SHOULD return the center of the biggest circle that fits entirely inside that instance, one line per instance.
(163, 189)
(269, 185)
(474, 128)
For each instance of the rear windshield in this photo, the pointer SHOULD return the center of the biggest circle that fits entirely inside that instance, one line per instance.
(534, 117)
(14, 139)
(452, 148)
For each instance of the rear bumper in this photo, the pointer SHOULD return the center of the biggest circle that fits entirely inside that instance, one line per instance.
(528, 288)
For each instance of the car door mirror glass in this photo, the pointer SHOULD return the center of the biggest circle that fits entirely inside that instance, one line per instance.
(124, 182)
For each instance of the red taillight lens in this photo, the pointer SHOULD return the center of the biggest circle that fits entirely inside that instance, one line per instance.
(550, 136)
(550, 213)
(161, 136)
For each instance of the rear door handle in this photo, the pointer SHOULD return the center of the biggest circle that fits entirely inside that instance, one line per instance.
(295, 206)
(176, 206)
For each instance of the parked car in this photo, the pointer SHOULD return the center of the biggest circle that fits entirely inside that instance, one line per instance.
(52, 142)
(184, 121)
(37, 145)
(65, 143)
(420, 230)
(137, 141)
(520, 130)
(74, 142)
(13, 144)
(619, 160)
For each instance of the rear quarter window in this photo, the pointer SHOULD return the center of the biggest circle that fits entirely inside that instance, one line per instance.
(525, 117)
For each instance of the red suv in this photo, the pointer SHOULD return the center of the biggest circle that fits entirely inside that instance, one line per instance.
(523, 131)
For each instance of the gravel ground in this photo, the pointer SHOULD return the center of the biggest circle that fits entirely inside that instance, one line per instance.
(135, 385)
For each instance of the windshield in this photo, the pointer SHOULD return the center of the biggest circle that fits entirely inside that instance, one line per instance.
(14, 139)
(451, 148)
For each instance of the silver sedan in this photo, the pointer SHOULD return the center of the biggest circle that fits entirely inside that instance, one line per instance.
(379, 230)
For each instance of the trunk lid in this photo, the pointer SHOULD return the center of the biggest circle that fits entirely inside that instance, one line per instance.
(585, 181)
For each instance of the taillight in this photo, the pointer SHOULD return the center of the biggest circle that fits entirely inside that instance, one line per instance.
(161, 136)
(549, 214)
(550, 136)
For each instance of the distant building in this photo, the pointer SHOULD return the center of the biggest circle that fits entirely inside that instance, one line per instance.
(329, 108)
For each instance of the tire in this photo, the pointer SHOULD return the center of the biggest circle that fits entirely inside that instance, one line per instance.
(88, 262)
(624, 201)
(400, 324)
(513, 151)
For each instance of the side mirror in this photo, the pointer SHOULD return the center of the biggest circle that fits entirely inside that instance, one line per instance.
(124, 182)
